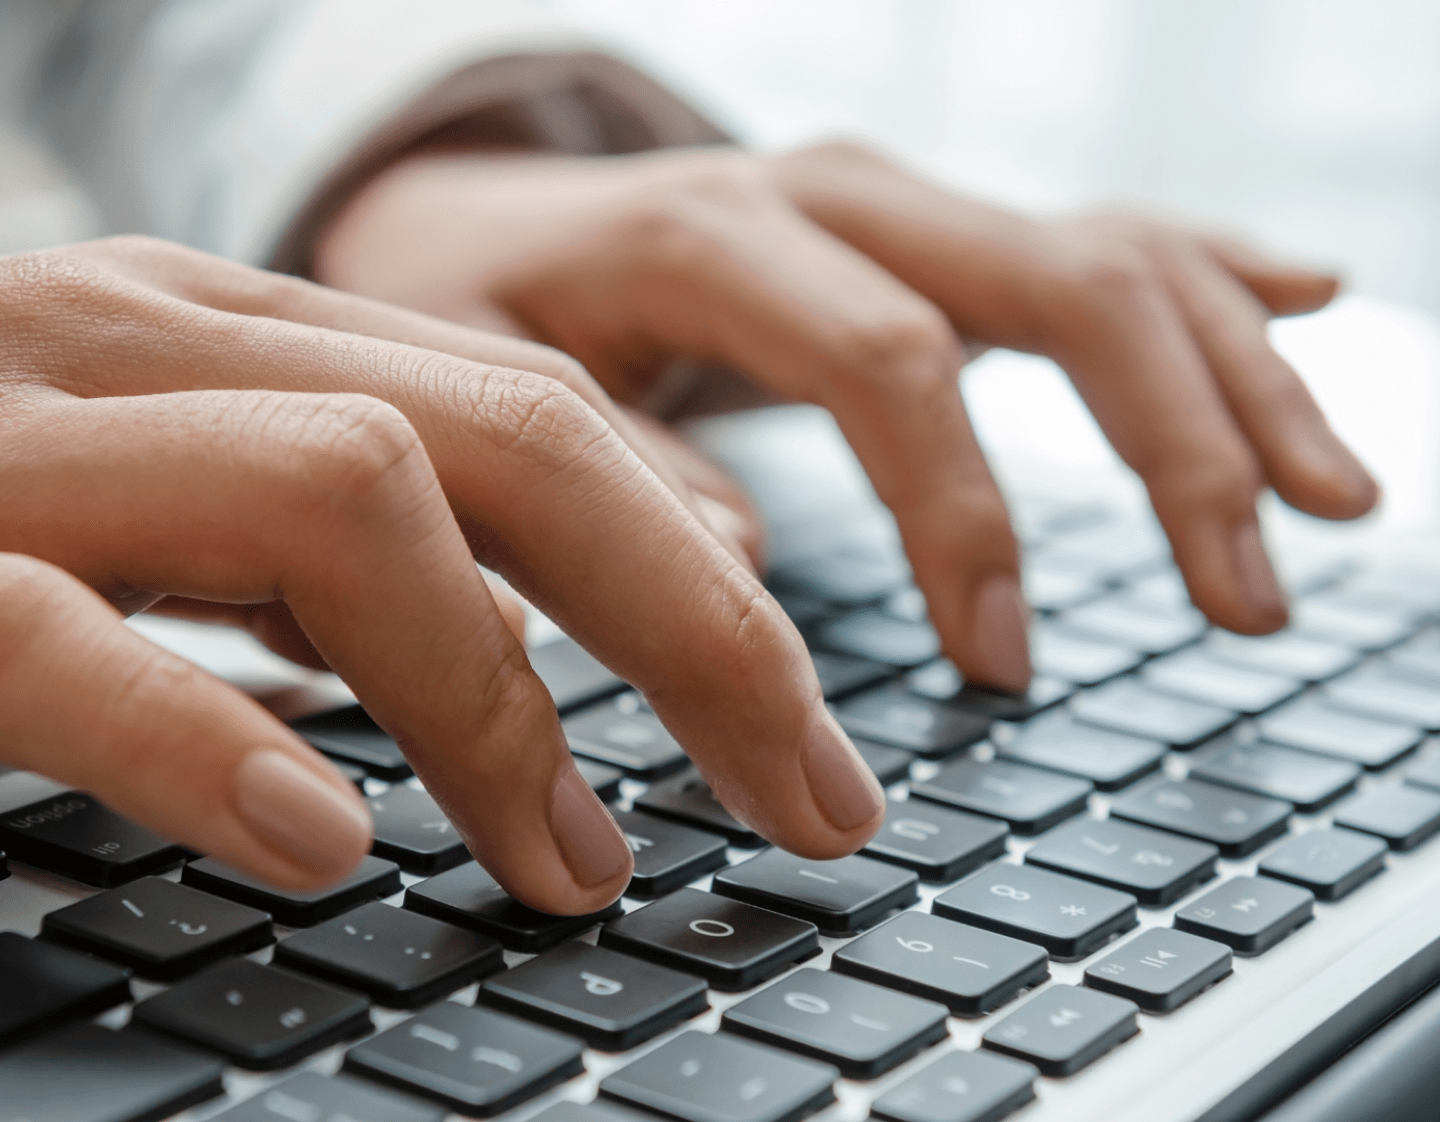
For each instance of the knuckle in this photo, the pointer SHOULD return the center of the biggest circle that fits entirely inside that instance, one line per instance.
(916, 344)
(1220, 482)
(535, 417)
(1113, 272)
(683, 221)
(351, 446)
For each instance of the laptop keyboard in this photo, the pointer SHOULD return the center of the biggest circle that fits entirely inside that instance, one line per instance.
(1059, 878)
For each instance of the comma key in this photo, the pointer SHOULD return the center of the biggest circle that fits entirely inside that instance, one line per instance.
(261, 1017)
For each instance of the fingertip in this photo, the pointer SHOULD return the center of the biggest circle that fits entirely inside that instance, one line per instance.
(318, 827)
(999, 649)
(592, 846)
(845, 790)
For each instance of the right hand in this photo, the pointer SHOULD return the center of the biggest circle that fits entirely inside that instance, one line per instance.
(173, 425)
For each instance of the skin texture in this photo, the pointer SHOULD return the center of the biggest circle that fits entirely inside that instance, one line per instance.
(831, 276)
(327, 470)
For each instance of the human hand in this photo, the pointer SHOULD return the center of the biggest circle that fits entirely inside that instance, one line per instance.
(173, 425)
(831, 276)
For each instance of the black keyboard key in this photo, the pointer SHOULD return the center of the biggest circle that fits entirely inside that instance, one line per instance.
(309, 1097)
(1403, 816)
(1309, 781)
(1154, 867)
(839, 897)
(44, 986)
(476, 1061)
(1063, 1028)
(1068, 917)
(892, 715)
(941, 681)
(1138, 624)
(636, 743)
(86, 1073)
(260, 1017)
(412, 831)
(1161, 968)
(863, 1029)
(1199, 675)
(1238, 822)
(686, 799)
(610, 1000)
(1057, 742)
(1376, 691)
(842, 674)
(351, 736)
(667, 854)
(960, 1087)
(573, 677)
(1127, 706)
(75, 836)
(162, 930)
(880, 637)
(969, 970)
(1057, 652)
(937, 844)
(890, 765)
(714, 1077)
(731, 945)
(1307, 657)
(1030, 800)
(1313, 726)
(469, 897)
(400, 959)
(1330, 863)
(1250, 914)
(373, 879)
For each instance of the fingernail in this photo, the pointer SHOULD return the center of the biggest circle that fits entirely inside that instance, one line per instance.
(295, 812)
(844, 788)
(587, 836)
(1257, 579)
(999, 637)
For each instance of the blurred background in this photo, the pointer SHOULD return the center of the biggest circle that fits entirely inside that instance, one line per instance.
(1313, 125)
(1310, 126)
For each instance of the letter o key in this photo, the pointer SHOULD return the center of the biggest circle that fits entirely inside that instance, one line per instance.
(711, 927)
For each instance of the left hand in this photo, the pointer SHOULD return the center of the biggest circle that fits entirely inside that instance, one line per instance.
(831, 276)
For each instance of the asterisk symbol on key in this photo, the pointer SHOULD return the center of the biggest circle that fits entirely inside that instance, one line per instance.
(1072, 910)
